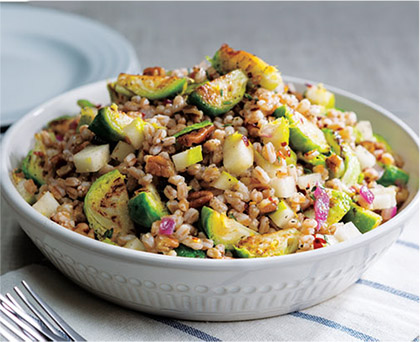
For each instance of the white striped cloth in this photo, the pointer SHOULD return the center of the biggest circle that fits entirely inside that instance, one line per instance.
(382, 306)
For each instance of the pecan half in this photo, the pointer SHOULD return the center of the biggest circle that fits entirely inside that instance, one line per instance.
(159, 166)
(372, 146)
(196, 137)
(198, 198)
(154, 71)
(253, 130)
(334, 162)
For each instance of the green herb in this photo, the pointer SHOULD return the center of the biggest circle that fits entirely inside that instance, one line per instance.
(232, 217)
(108, 233)
(108, 241)
(312, 196)
(227, 102)
(306, 170)
(193, 128)
(248, 97)
(85, 103)
(221, 92)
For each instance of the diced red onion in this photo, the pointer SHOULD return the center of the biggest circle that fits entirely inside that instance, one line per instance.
(366, 194)
(379, 169)
(59, 137)
(73, 124)
(167, 226)
(321, 206)
(388, 213)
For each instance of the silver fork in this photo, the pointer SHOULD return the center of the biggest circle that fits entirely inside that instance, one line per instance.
(16, 323)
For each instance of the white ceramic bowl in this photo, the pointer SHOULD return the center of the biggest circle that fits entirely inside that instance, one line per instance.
(205, 289)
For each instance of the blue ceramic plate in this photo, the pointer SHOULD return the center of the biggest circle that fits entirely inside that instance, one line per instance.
(45, 52)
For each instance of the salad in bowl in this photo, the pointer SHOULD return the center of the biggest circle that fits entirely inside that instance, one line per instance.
(223, 160)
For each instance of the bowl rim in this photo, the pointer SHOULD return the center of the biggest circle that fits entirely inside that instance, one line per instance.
(10, 194)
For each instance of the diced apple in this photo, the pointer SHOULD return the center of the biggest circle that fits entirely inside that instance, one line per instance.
(135, 244)
(91, 158)
(238, 154)
(46, 205)
(134, 133)
(306, 182)
(276, 132)
(284, 187)
(364, 128)
(271, 169)
(225, 181)
(121, 151)
(366, 159)
(20, 187)
(318, 95)
(384, 198)
(282, 215)
(331, 239)
(346, 231)
(187, 158)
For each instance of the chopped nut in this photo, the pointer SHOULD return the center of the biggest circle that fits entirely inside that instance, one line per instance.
(334, 162)
(267, 206)
(199, 198)
(159, 166)
(154, 71)
(196, 137)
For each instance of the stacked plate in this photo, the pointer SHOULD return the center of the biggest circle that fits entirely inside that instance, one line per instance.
(45, 52)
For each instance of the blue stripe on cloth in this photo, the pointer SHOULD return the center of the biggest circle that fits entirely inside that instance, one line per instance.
(328, 323)
(416, 339)
(185, 328)
(389, 289)
(408, 244)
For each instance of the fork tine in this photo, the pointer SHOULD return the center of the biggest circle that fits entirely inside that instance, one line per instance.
(30, 321)
(23, 325)
(54, 316)
(7, 335)
(13, 329)
(9, 297)
(18, 311)
(36, 312)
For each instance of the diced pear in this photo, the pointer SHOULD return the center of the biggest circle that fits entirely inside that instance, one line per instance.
(225, 181)
(346, 232)
(282, 215)
(384, 198)
(238, 154)
(318, 95)
(276, 132)
(268, 167)
(187, 158)
(121, 151)
(135, 244)
(134, 133)
(364, 129)
(46, 205)
(91, 158)
(307, 182)
(20, 187)
(283, 187)
(366, 159)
